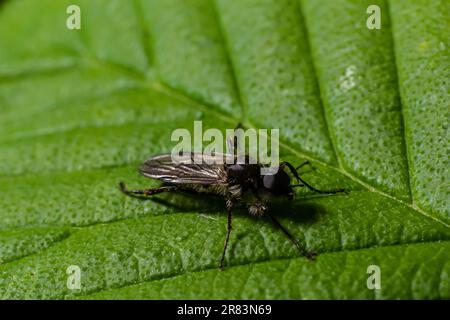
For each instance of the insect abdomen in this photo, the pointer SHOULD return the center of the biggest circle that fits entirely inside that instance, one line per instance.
(216, 189)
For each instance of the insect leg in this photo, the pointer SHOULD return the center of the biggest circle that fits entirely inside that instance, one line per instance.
(310, 187)
(291, 168)
(146, 192)
(301, 249)
(302, 165)
(304, 183)
(230, 205)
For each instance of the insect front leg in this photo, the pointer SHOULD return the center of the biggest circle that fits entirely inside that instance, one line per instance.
(302, 165)
(230, 205)
(304, 183)
(146, 192)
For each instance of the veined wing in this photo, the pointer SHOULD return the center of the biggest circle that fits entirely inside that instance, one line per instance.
(162, 167)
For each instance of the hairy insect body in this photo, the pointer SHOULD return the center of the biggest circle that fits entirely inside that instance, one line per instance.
(217, 190)
(236, 183)
(240, 181)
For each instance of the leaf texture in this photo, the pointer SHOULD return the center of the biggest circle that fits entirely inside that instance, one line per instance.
(81, 109)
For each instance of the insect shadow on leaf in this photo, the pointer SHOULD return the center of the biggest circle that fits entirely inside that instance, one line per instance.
(236, 183)
(296, 213)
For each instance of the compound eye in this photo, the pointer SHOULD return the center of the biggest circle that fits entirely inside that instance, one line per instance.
(278, 183)
(236, 168)
(269, 181)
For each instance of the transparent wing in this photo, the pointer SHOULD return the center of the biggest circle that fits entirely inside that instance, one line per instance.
(162, 167)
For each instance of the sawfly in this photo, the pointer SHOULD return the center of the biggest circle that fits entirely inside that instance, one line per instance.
(236, 183)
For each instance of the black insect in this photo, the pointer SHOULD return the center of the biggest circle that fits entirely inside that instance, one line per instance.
(234, 182)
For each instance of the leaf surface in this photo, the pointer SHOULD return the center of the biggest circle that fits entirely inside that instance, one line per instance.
(81, 109)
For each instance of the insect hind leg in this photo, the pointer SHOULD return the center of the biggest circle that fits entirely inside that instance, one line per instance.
(145, 192)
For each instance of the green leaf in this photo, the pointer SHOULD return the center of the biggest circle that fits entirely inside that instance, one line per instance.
(81, 109)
